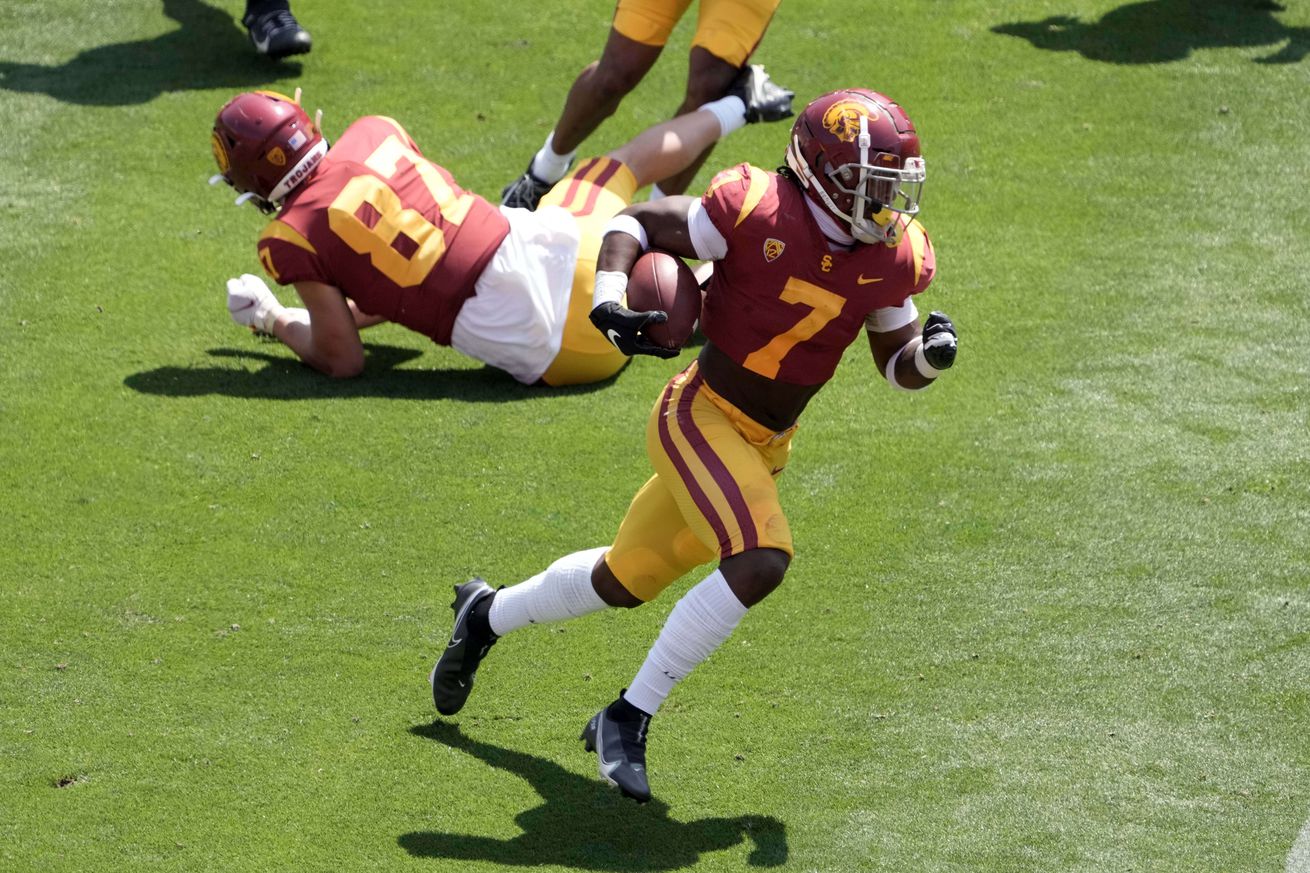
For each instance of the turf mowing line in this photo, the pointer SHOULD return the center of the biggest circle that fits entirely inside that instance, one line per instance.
(1298, 860)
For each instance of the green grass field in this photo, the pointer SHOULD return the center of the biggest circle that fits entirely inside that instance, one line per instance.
(1053, 615)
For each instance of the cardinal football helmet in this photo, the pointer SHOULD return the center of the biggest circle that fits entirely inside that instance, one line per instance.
(856, 154)
(265, 146)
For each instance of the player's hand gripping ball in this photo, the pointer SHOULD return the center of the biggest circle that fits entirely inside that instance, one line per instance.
(663, 282)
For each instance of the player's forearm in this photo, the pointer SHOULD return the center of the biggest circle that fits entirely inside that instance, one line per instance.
(294, 329)
(902, 369)
(919, 358)
(619, 250)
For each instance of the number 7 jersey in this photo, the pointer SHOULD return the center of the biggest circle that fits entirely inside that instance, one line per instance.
(782, 303)
(388, 228)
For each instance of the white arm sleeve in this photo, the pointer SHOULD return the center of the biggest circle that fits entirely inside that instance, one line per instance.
(705, 237)
(888, 318)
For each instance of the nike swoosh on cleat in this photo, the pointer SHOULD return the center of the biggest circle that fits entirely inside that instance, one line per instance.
(613, 336)
(860, 280)
(262, 44)
(606, 767)
(454, 642)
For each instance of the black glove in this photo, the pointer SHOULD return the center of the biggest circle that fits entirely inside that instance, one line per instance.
(623, 327)
(939, 340)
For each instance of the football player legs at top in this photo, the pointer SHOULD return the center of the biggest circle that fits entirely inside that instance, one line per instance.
(727, 33)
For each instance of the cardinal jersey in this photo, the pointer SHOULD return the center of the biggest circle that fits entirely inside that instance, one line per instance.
(781, 303)
(387, 227)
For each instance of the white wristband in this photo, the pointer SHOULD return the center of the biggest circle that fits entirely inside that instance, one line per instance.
(295, 315)
(926, 370)
(890, 372)
(629, 225)
(610, 287)
(270, 319)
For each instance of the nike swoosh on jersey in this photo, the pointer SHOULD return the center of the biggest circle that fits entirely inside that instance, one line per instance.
(860, 280)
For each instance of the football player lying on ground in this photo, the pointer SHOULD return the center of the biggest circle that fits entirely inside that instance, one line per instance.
(369, 230)
(806, 259)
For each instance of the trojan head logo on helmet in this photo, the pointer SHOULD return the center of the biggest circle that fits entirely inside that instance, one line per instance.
(265, 145)
(842, 119)
(856, 154)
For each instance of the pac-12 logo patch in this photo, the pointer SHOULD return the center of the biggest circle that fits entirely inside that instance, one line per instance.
(277, 157)
(773, 249)
(220, 152)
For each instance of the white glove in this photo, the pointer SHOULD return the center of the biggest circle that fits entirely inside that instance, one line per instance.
(251, 304)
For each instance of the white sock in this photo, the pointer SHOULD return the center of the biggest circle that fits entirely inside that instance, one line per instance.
(730, 111)
(562, 591)
(550, 167)
(656, 193)
(698, 624)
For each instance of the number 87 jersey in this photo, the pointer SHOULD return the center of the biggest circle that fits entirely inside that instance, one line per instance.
(783, 302)
(388, 228)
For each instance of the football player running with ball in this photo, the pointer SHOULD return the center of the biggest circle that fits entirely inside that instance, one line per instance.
(807, 259)
(369, 230)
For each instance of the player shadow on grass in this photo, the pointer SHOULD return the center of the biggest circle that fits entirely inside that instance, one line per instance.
(1157, 31)
(209, 50)
(285, 378)
(586, 825)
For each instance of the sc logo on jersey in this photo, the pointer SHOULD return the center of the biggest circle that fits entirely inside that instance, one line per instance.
(773, 249)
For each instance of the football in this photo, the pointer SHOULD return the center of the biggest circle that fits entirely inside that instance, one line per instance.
(660, 280)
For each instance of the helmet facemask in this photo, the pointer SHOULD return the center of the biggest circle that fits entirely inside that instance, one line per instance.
(880, 191)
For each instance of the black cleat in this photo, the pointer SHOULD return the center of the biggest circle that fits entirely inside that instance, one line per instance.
(765, 100)
(525, 192)
(452, 675)
(277, 33)
(617, 734)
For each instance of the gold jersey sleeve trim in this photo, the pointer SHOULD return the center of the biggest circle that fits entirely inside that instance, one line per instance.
(286, 233)
(727, 177)
(759, 186)
(918, 246)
